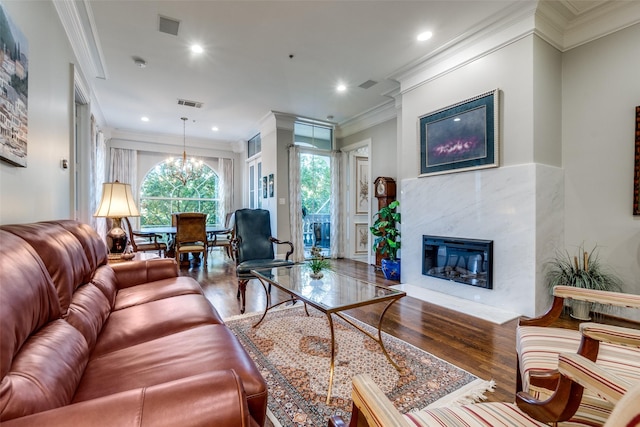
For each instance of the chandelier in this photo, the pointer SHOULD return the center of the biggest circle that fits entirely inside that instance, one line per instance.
(182, 169)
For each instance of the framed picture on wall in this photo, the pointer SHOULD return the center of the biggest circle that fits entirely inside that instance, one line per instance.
(636, 169)
(361, 237)
(271, 185)
(264, 187)
(461, 137)
(13, 138)
(362, 185)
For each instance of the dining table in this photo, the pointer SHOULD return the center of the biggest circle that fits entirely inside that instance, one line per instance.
(170, 232)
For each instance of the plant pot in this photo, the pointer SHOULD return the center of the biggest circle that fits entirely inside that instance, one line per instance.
(316, 276)
(391, 269)
(581, 310)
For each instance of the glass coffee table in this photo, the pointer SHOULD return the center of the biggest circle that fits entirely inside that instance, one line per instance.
(332, 294)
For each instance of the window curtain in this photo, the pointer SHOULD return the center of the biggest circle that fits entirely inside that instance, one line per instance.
(295, 205)
(99, 160)
(336, 245)
(124, 168)
(226, 188)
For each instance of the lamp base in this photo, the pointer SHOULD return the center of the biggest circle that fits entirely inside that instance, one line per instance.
(117, 239)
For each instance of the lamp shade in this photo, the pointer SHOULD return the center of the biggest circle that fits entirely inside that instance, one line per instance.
(117, 201)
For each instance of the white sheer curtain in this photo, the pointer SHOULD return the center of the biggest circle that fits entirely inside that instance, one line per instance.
(335, 236)
(124, 168)
(295, 204)
(226, 189)
(99, 159)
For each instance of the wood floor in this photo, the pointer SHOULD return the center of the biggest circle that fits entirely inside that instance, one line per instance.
(483, 348)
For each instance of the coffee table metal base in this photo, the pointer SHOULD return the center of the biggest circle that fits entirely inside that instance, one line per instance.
(377, 338)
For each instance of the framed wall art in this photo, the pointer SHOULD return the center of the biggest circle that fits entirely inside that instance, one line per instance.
(271, 185)
(361, 237)
(15, 63)
(264, 187)
(461, 137)
(636, 169)
(362, 185)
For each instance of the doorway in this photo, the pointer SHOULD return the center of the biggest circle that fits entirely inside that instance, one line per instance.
(315, 187)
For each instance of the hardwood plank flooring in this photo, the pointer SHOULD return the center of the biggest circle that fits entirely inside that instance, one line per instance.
(483, 348)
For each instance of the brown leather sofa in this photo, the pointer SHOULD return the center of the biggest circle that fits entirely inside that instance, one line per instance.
(85, 343)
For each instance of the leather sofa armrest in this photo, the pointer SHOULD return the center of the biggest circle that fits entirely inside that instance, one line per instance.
(214, 398)
(134, 273)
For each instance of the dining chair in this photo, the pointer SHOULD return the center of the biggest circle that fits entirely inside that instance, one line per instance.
(143, 241)
(253, 247)
(191, 234)
(223, 238)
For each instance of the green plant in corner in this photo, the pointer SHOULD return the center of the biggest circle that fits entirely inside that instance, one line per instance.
(387, 235)
(584, 270)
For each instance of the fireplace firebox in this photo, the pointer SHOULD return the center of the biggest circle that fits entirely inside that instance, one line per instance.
(468, 261)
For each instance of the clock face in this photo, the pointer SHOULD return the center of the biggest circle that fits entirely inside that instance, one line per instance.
(380, 189)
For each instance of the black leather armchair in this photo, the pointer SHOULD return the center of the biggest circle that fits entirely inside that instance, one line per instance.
(253, 247)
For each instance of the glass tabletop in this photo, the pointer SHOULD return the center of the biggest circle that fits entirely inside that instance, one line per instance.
(333, 292)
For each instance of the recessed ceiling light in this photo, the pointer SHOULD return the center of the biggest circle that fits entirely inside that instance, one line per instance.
(144, 119)
(215, 129)
(457, 119)
(341, 88)
(425, 36)
(196, 48)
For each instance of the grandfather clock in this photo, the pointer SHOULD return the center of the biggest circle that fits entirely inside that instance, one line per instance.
(385, 189)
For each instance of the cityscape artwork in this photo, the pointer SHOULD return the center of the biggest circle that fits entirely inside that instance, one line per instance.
(14, 73)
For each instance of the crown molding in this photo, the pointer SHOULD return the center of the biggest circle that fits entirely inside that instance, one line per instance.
(172, 140)
(77, 19)
(372, 117)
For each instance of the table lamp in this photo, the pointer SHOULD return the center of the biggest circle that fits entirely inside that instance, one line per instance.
(117, 202)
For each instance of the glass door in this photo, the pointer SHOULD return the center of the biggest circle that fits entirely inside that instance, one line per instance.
(254, 181)
(315, 185)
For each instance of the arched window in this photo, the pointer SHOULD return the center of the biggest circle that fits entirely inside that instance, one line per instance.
(162, 194)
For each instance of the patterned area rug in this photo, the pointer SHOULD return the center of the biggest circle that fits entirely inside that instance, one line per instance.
(293, 352)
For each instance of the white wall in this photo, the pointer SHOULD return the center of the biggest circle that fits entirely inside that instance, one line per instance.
(600, 89)
(383, 156)
(42, 190)
(519, 205)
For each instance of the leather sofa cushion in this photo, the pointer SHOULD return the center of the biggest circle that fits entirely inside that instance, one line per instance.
(211, 399)
(190, 352)
(155, 319)
(46, 371)
(88, 311)
(28, 299)
(153, 291)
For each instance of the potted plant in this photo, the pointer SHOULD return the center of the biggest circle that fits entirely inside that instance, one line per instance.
(387, 239)
(317, 263)
(584, 270)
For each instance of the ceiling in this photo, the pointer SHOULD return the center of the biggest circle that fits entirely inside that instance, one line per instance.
(262, 56)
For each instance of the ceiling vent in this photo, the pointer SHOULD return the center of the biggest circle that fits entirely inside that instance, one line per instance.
(187, 103)
(368, 84)
(168, 25)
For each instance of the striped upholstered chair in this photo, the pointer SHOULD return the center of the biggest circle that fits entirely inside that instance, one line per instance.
(538, 345)
(575, 373)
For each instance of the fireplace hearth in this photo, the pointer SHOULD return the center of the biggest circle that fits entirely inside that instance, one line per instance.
(467, 261)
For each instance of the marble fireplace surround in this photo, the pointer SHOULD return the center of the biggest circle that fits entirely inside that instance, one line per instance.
(520, 208)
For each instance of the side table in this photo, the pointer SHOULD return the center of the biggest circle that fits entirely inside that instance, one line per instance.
(138, 256)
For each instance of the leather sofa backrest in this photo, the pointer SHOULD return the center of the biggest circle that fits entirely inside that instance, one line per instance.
(93, 245)
(42, 357)
(62, 254)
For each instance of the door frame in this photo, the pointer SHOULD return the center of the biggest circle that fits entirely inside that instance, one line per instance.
(350, 218)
